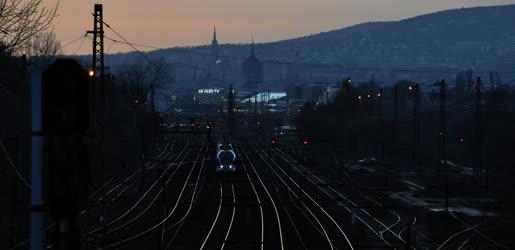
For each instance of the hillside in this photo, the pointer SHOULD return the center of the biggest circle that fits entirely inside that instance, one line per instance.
(480, 38)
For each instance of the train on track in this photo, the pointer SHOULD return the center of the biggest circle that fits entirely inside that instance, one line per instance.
(226, 157)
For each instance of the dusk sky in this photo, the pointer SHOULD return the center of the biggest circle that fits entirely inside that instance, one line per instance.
(168, 23)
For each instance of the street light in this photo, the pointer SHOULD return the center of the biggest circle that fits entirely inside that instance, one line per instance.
(91, 73)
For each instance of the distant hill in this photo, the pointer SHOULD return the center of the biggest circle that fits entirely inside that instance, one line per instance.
(481, 38)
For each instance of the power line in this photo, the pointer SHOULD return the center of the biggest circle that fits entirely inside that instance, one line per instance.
(80, 46)
(73, 41)
(22, 179)
(135, 44)
(128, 43)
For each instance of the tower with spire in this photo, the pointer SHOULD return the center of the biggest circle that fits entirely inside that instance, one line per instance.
(215, 66)
(252, 69)
(214, 45)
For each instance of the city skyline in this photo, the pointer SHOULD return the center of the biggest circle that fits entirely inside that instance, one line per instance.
(180, 23)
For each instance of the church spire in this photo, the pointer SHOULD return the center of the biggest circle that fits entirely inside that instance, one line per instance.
(214, 45)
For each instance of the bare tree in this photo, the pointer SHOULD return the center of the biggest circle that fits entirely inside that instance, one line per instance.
(20, 20)
(43, 48)
(144, 77)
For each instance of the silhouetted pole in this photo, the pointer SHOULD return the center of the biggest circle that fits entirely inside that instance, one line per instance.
(97, 64)
(395, 116)
(382, 135)
(369, 103)
(348, 85)
(478, 131)
(416, 124)
(97, 88)
(443, 142)
(36, 199)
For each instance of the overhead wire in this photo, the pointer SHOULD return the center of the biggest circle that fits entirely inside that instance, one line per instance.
(128, 43)
(109, 49)
(135, 44)
(80, 45)
(72, 41)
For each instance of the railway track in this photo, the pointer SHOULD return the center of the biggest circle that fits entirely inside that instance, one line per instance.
(327, 223)
(151, 228)
(98, 195)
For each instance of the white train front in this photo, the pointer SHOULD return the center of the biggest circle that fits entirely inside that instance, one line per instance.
(226, 157)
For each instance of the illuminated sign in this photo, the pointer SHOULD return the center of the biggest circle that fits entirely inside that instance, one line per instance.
(209, 91)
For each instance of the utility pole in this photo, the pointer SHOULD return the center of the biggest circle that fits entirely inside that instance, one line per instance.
(494, 80)
(479, 171)
(36, 198)
(97, 64)
(443, 142)
(97, 88)
(349, 99)
(369, 103)
(381, 125)
(230, 109)
(97, 72)
(256, 119)
(395, 115)
(416, 125)
(380, 104)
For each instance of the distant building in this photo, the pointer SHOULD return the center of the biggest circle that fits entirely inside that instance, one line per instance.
(294, 91)
(312, 91)
(264, 97)
(329, 94)
(505, 67)
(464, 82)
(212, 96)
(305, 92)
(252, 70)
